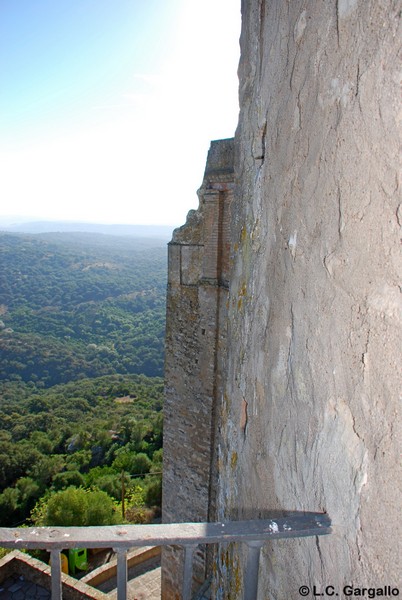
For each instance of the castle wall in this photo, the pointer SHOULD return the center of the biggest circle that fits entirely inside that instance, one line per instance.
(195, 340)
(310, 416)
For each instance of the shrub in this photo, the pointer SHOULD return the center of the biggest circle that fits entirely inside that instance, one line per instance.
(77, 507)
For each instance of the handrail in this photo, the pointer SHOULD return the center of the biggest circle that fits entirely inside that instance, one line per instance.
(255, 533)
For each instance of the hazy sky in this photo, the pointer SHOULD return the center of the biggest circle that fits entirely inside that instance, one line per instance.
(107, 107)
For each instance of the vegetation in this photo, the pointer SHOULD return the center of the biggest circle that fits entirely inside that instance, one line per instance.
(83, 305)
(102, 434)
(78, 507)
(81, 340)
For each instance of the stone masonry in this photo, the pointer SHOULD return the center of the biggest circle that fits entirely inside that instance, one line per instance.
(198, 275)
(299, 409)
(310, 418)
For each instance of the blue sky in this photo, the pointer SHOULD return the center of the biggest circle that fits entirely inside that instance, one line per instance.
(107, 107)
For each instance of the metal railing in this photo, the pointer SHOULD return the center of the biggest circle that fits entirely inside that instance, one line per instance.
(121, 538)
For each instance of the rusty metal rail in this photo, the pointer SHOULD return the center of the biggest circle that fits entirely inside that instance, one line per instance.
(121, 538)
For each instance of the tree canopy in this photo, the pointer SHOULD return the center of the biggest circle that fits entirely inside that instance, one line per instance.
(82, 320)
(74, 306)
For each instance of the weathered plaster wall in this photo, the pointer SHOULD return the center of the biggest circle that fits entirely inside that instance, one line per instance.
(195, 340)
(310, 416)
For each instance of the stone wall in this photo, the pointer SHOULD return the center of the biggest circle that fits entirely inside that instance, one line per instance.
(198, 274)
(310, 416)
(31, 572)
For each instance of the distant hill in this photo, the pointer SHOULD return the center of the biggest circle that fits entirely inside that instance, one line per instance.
(162, 232)
(75, 305)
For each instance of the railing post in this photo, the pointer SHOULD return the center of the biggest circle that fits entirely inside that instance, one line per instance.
(121, 573)
(188, 571)
(55, 566)
(250, 583)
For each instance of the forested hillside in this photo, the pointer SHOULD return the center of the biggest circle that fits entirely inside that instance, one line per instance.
(80, 305)
(81, 360)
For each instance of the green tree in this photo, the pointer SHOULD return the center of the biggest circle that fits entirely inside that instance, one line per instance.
(111, 484)
(78, 507)
(135, 464)
(61, 481)
(41, 441)
(28, 493)
(153, 492)
(8, 506)
(79, 461)
(141, 464)
(46, 468)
